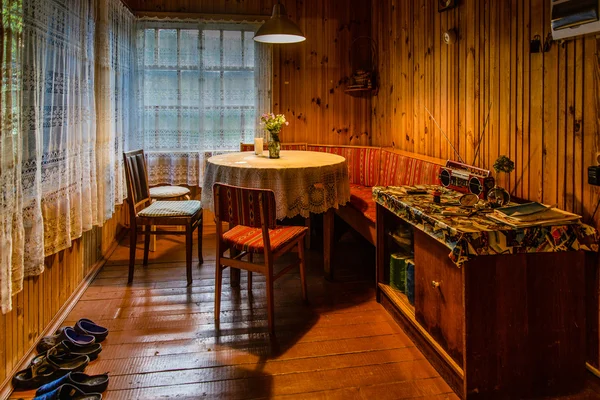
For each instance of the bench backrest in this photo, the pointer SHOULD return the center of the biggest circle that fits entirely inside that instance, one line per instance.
(401, 168)
(376, 166)
(363, 162)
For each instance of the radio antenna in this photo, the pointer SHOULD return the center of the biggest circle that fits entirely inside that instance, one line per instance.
(487, 118)
(448, 140)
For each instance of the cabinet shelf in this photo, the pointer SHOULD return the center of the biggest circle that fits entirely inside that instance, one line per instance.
(400, 300)
(360, 91)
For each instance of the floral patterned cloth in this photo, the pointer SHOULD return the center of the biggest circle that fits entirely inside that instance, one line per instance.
(469, 237)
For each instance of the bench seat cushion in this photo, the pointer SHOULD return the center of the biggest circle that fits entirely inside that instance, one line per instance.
(361, 198)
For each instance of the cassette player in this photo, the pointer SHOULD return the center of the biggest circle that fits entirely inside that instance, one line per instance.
(466, 178)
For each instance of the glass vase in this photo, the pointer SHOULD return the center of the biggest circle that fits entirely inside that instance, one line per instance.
(274, 145)
(498, 197)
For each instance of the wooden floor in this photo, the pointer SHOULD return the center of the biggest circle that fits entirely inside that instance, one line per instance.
(163, 342)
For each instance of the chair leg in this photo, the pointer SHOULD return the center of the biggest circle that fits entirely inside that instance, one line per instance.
(250, 274)
(200, 230)
(302, 269)
(132, 246)
(147, 235)
(218, 282)
(189, 240)
(307, 237)
(270, 304)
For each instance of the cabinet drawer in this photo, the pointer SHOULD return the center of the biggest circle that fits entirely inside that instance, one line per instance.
(439, 295)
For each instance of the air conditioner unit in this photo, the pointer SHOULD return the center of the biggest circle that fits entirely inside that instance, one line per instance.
(574, 17)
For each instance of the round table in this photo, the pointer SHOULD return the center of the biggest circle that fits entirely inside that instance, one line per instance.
(304, 182)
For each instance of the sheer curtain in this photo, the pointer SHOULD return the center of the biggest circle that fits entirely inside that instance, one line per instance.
(115, 69)
(11, 218)
(58, 125)
(196, 94)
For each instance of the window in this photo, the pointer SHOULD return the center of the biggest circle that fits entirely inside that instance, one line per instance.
(198, 87)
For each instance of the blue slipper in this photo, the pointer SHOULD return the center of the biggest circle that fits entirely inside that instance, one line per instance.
(68, 392)
(88, 327)
(68, 333)
(83, 382)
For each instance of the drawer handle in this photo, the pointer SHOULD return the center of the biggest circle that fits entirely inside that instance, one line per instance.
(435, 284)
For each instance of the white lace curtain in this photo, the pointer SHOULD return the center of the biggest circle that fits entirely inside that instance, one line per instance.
(58, 126)
(65, 162)
(197, 94)
(115, 80)
(11, 219)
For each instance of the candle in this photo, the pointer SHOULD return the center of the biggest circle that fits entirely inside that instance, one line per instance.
(258, 146)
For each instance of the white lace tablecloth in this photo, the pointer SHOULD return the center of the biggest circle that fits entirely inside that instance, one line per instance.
(303, 181)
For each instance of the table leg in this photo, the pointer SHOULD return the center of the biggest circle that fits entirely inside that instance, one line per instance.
(328, 218)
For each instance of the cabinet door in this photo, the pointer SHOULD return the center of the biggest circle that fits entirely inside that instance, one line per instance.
(439, 295)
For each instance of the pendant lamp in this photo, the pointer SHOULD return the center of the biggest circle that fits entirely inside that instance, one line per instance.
(279, 29)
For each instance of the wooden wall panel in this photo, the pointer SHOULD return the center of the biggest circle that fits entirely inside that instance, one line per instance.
(42, 297)
(310, 76)
(544, 107)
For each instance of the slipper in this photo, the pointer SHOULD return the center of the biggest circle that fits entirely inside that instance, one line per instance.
(68, 392)
(47, 368)
(83, 382)
(69, 348)
(88, 327)
(66, 333)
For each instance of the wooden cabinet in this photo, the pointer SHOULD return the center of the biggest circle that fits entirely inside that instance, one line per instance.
(503, 326)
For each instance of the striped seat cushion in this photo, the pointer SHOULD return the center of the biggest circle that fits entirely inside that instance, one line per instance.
(361, 198)
(249, 239)
(168, 192)
(185, 208)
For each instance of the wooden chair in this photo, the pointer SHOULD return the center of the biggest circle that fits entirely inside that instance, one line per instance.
(284, 146)
(145, 213)
(252, 229)
(167, 192)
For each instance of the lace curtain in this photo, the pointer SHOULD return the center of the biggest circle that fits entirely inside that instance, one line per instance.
(115, 70)
(196, 93)
(58, 126)
(72, 173)
(11, 219)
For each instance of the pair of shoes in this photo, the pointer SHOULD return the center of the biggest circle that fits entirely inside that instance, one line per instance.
(81, 381)
(88, 327)
(68, 334)
(69, 392)
(67, 348)
(46, 368)
(84, 333)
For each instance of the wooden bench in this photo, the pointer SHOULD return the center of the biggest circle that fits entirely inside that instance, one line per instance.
(367, 167)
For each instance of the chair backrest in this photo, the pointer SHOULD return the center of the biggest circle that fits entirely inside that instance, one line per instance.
(244, 206)
(136, 175)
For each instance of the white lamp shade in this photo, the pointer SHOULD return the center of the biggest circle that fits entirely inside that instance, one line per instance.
(279, 29)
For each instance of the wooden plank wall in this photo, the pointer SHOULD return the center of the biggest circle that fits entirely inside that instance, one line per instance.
(309, 77)
(44, 295)
(544, 108)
